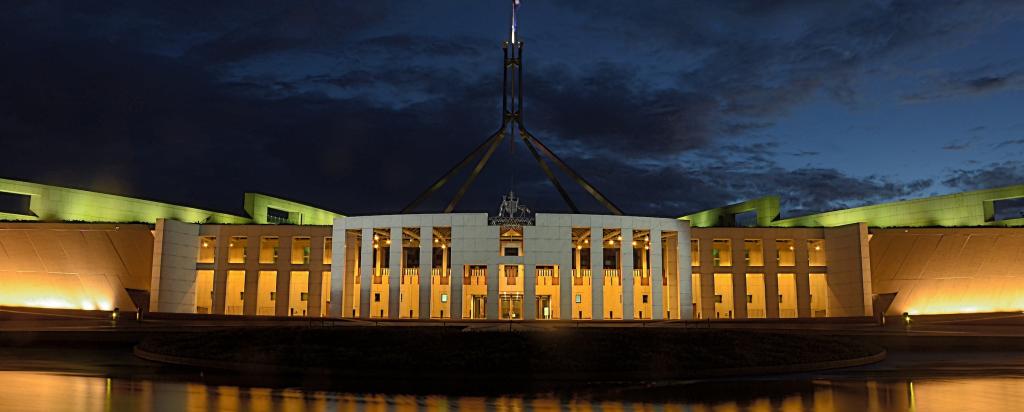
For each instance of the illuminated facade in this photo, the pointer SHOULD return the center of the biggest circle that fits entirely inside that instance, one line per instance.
(73, 249)
(459, 266)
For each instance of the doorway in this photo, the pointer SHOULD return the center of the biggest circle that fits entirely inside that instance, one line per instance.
(544, 307)
(511, 306)
(478, 310)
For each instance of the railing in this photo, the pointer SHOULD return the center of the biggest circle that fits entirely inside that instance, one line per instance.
(233, 310)
(643, 275)
(410, 276)
(614, 274)
(265, 311)
(475, 276)
(436, 277)
(578, 275)
(546, 272)
(202, 310)
(379, 274)
(755, 313)
(787, 313)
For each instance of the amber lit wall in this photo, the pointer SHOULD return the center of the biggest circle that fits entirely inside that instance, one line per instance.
(949, 270)
(73, 266)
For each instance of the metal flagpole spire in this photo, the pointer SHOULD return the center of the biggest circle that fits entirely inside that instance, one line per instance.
(511, 123)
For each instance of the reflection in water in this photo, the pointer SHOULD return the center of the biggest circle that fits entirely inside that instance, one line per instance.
(33, 391)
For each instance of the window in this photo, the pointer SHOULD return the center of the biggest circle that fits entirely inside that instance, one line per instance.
(277, 215)
(815, 252)
(718, 298)
(376, 297)
(444, 298)
(300, 250)
(268, 249)
(750, 298)
(721, 252)
(328, 250)
(236, 249)
(786, 252)
(304, 296)
(753, 252)
(511, 251)
(644, 299)
(579, 298)
(273, 295)
(694, 252)
(207, 249)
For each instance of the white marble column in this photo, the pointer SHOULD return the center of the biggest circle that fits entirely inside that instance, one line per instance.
(597, 271)
(626, 273)
(365, 272)
(426, 259)
(339, 266)
(657, 272)
(529, 291)
(395, 264)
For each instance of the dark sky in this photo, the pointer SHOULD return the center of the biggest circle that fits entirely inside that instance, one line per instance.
(667, 106)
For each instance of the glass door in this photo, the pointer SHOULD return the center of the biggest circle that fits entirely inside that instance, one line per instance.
(544, 307)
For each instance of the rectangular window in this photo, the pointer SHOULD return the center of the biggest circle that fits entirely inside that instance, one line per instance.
(815, 252)
(644, 299)
(268, 249)
(724, 308)
(511, 251)
(207, 249)
(721, 252)
(819, 295)
(328, 250)
(755, 295)
(304, 296)
(273, 296)
(236, 249)
(787, 295)
(579, 298)
(277, 215)
(444, 298)
(300, 250)
(753, 252)
(694, 252)
(786, 252)
(15, 203)
(376, 297)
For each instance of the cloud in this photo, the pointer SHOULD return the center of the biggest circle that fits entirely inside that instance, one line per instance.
(348, 106)
(986, 79)
(992, 175)
(1008, 143)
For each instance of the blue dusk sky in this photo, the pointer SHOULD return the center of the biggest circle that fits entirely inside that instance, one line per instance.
(668, 107)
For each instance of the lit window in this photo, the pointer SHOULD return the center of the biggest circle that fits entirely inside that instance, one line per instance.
(207, 249)
(721, 252)
(579, 298)
(815, 252)
(444, 298)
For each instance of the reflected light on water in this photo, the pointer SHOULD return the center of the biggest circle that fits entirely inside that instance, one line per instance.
(34, 391)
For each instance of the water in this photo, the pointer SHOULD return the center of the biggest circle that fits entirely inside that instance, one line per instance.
(90, 380)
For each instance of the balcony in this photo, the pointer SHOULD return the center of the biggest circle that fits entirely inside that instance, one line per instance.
(437, 277)
(642, 277)
(578, 275)
(379, 274)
